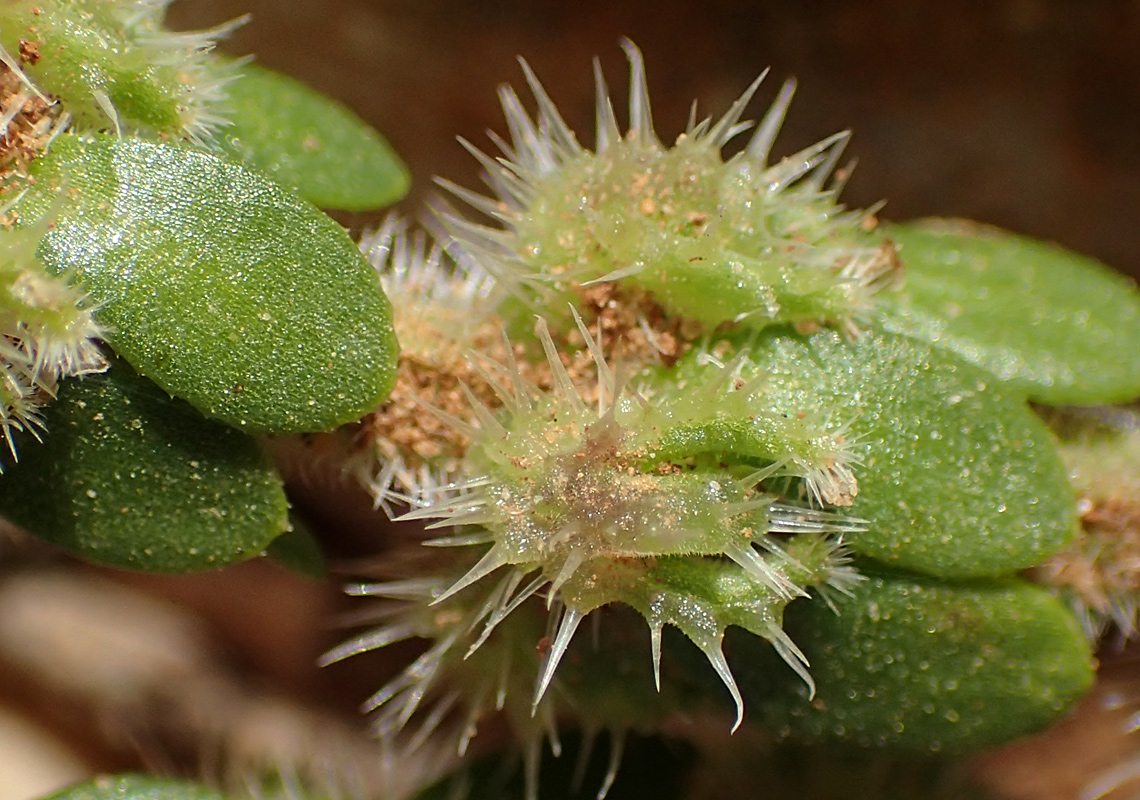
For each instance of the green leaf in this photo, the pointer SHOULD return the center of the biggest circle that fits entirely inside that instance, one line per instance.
(136, 787)
(915, 663)
(126, 476)
(311, 143)
(1056, 325)
(220, 286)
(955, 477)
(299, 550)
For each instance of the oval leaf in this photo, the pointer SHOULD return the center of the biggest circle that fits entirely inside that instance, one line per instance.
(136, 787)
(223, 288)
(310, 143)
(126, 476)
(299, 550)
(916, 663)
(1059, 326)
(955, 478)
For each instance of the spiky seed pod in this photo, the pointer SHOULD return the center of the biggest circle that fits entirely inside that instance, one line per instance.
(590, 494)
(567, 450)
(708, 240)
(114, 66)
(483, 656)
(557, 483)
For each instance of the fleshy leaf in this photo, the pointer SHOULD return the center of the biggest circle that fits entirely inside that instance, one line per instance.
(306, 141)
(915, 663)
(223, 288)
(955, 477)
(136, 787)
(1059, 326)
(299, 550)
(129, 477)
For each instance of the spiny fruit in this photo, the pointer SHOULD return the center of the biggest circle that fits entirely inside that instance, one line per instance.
(709, 241)
(662, 393)
(593, 498)
(559, 446)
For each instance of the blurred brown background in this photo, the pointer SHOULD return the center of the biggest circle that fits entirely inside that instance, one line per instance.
(1024, 113)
